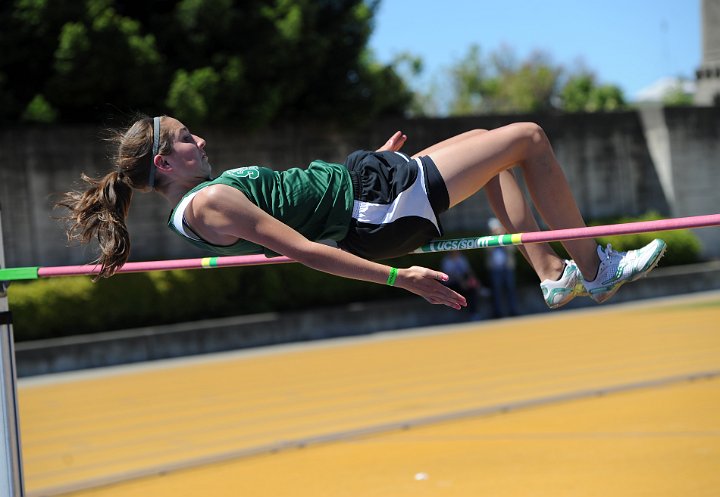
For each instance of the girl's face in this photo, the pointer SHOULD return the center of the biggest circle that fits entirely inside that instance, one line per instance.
(188, 156)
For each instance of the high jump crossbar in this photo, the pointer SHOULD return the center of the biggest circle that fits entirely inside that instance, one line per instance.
(704, 221)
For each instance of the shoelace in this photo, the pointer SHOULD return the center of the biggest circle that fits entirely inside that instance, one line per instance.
(609, 252)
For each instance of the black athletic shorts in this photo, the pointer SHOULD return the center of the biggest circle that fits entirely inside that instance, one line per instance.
(398, 202)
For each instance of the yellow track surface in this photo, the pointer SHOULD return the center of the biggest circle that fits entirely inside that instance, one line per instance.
(569, 403)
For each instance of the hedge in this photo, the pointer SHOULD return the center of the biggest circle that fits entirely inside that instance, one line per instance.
(56, 307)
(684, 247)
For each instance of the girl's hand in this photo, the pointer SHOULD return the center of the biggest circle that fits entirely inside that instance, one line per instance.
(428, 284)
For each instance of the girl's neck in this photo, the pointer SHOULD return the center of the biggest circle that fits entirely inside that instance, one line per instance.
(174, 192)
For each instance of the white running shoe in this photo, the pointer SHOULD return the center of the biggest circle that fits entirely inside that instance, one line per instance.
(559, 292)
(617, 268)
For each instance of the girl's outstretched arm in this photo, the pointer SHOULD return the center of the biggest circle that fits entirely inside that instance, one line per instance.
(221, 214)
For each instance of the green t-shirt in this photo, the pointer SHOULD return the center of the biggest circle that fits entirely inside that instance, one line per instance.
(317, 202)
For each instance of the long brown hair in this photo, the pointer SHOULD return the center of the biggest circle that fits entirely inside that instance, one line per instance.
(100, 210)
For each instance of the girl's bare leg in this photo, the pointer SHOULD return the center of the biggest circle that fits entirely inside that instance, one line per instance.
(511, 208)
(467, 165)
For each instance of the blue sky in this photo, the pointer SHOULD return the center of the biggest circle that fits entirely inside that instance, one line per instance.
(630, 43)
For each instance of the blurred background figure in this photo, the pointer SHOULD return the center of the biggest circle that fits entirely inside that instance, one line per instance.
(462, 279)
(501, 268)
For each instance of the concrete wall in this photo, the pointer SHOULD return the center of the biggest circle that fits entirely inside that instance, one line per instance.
(622, 163)
(708, 74)
(695, 159)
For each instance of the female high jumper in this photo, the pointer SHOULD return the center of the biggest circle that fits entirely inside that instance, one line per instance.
(378, 204)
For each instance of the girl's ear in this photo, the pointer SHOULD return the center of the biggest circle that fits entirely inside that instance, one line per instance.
(161, 163)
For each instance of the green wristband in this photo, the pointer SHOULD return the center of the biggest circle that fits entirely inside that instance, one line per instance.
(393, 276)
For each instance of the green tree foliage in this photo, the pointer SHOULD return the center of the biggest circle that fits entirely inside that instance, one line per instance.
(250, 62)
(529, 87)
(502, 83)
(581, 93)
(469, 83)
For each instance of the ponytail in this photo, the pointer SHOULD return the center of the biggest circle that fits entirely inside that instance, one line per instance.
(99, 213)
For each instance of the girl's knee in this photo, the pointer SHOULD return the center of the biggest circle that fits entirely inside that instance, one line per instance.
(532, 134)
(530, 130)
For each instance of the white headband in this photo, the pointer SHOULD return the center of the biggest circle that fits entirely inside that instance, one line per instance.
(155, 149)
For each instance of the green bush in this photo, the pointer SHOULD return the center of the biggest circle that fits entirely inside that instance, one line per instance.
(684, 247)
(56, 307)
